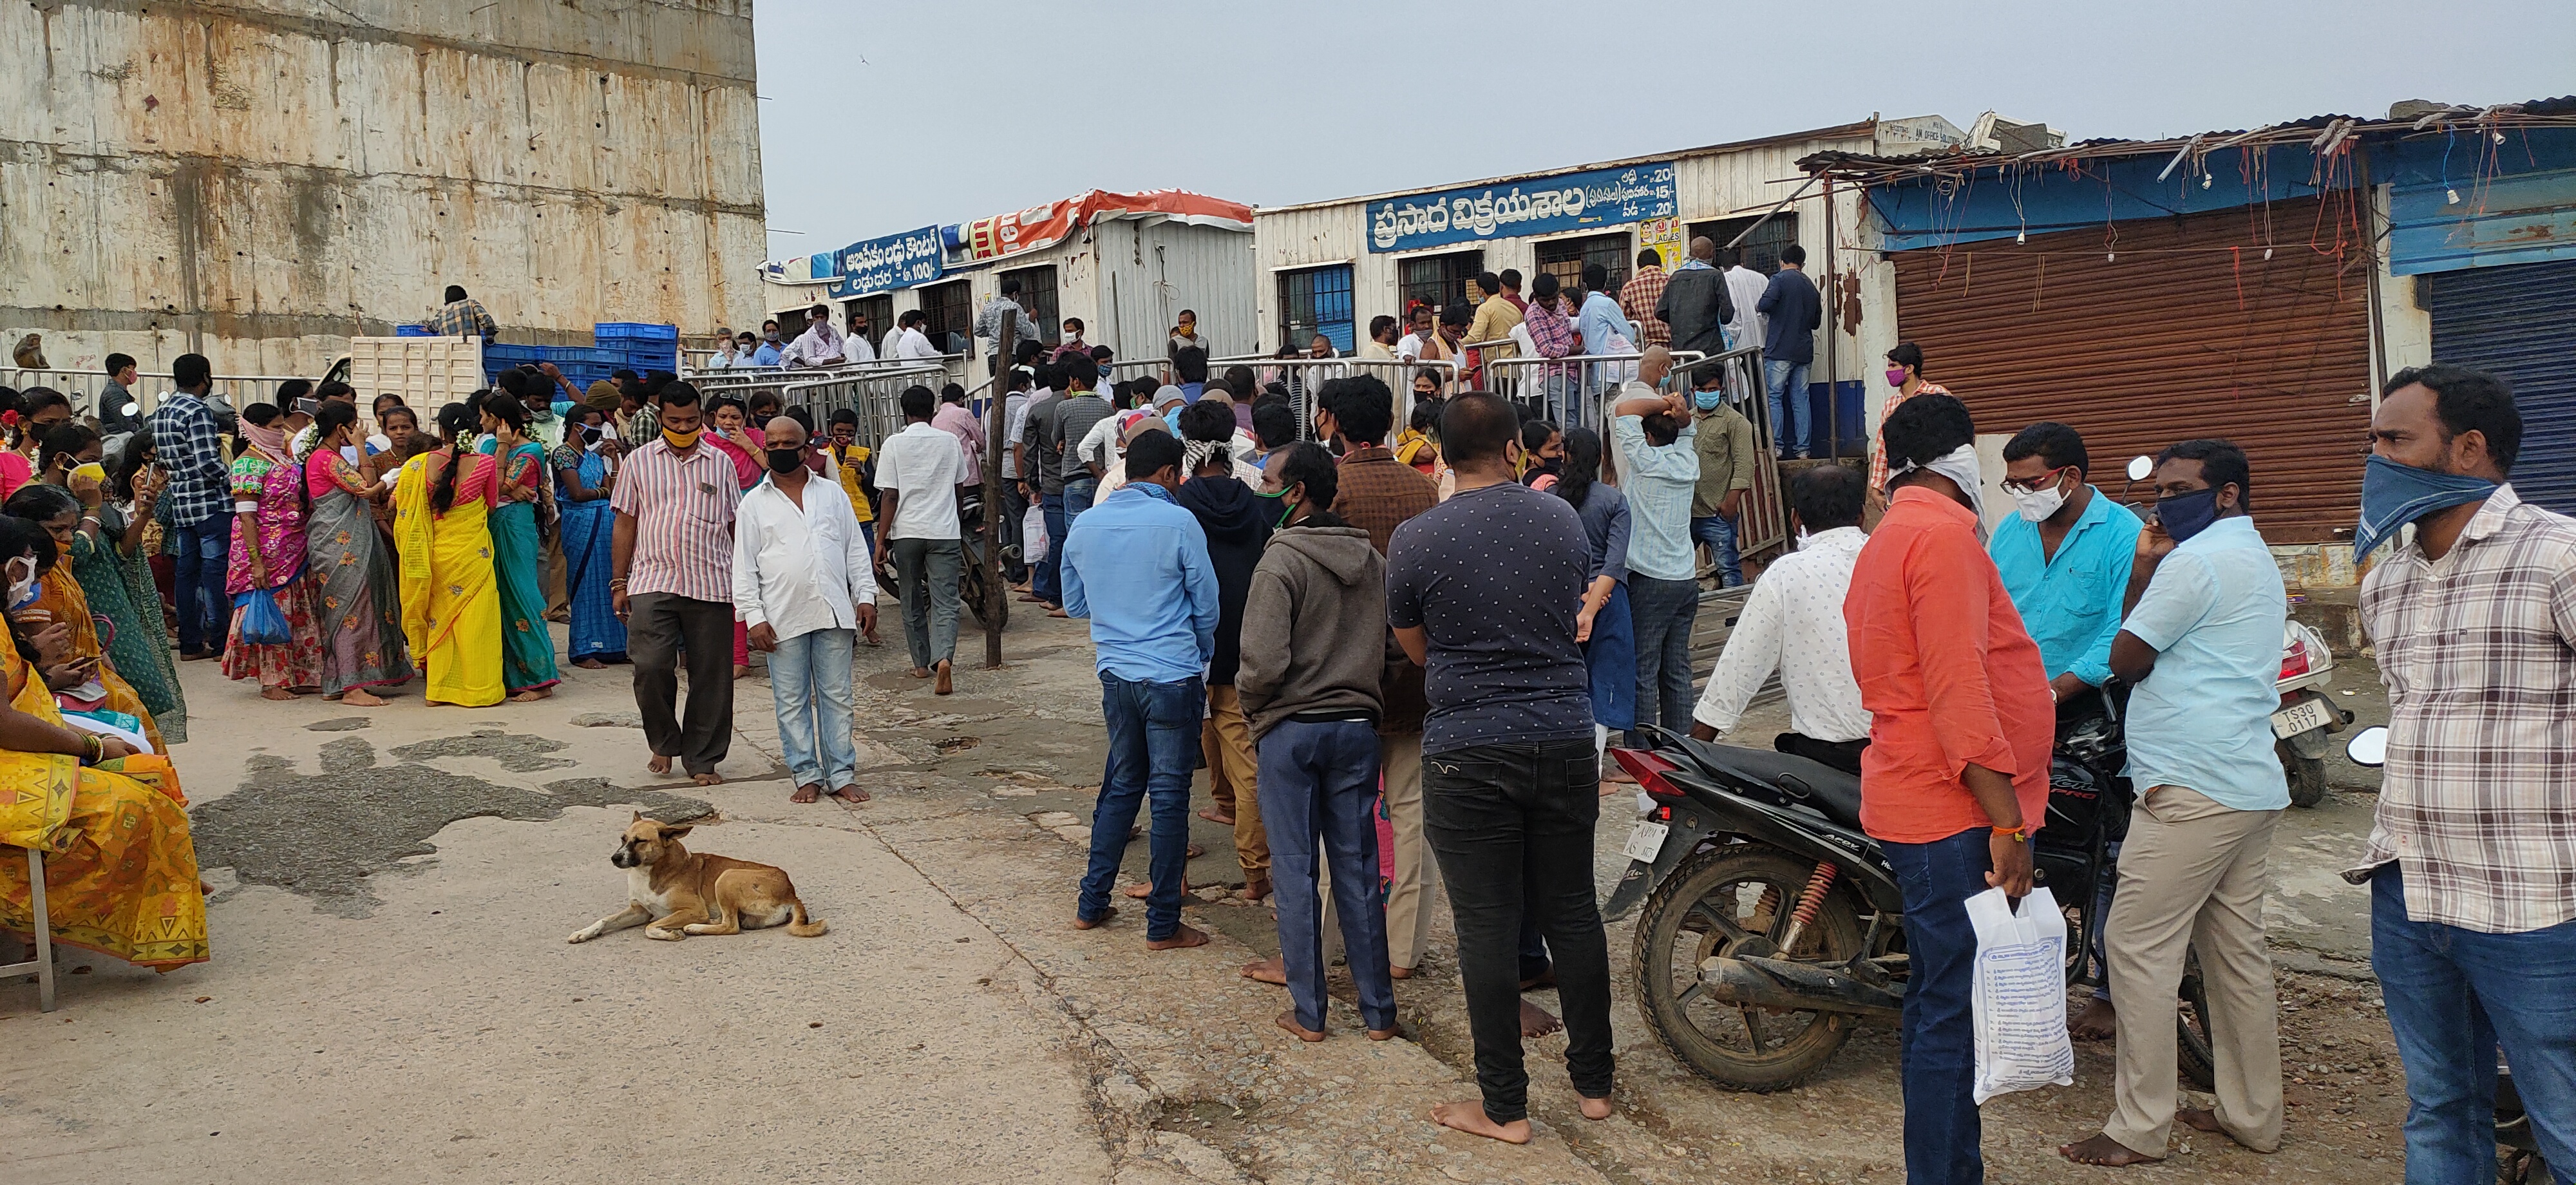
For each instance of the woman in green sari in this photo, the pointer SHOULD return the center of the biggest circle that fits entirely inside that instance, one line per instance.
(115, 572)
(527, 648)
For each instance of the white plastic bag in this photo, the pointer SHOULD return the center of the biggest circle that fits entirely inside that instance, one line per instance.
(1033, 536)
(2020, 998)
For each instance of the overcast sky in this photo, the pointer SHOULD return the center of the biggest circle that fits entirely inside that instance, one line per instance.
(886, 117)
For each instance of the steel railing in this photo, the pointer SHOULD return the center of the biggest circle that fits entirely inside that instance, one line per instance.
(83, 386)
(1574, 391)
(874, 392)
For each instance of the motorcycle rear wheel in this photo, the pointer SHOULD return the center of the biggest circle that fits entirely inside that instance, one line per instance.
(1709, 906)
(2306, 775)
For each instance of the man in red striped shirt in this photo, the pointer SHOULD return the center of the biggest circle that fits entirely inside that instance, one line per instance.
(673, 558)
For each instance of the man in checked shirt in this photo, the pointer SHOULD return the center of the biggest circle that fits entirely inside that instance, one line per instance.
(2472, 855)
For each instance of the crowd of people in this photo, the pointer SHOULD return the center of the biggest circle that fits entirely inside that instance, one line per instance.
(1420, 635)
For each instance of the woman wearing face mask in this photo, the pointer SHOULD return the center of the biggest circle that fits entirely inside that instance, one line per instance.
(359, 598)
(451, 601)
(1905, 373)
(268, 556)
(120, 868)
(1603, 625)
(1542, 455)
(108, 562)
(527, 649)
(59, 598)
(729, 430)
(583, 481)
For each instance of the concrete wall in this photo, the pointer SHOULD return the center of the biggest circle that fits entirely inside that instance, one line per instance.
(259, 180)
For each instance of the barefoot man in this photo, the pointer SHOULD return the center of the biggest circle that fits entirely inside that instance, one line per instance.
(803, 584)
(673, 558)
(1137, 566)
(1509, 801)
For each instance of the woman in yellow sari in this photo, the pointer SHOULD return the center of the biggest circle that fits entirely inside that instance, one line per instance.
(59, 598)
(451, 604)
(120, 867)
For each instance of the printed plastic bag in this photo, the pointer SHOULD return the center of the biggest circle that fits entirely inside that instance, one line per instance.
(1033, 536)
(262, 624)
(2020, 1000)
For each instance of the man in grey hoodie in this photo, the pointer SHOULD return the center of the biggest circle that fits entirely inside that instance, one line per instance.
(1311, 657)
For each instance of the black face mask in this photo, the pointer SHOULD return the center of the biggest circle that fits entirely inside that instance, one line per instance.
(785, 460)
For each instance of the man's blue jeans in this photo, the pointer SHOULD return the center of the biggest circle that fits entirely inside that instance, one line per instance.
(1048, 583)
(197, 583)
(1153, 746)
(809, 681)
(1320, 780)
(1077, 498)
(1661, 613)
(1789, 416)
(2453, 996)
(1937, 1051)
(1719, 535)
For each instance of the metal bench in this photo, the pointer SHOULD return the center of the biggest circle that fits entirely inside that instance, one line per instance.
(43, 964)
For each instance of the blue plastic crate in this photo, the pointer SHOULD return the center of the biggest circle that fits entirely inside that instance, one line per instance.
(412, 331)
(607, 331)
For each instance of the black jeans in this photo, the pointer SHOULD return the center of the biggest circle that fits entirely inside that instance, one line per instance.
(659, 626)
(1513, 824)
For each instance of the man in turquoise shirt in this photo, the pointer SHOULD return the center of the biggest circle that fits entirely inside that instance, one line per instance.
(1137, 565)
(2202, 645)
(2064, 557)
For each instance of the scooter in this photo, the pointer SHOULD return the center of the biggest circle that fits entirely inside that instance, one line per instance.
(2301, 728)
(1772, 925)
(2520, 1158)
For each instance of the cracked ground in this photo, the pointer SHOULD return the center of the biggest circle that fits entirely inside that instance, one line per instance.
(391, 995)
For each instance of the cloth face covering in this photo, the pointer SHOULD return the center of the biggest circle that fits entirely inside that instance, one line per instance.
(1959, 465)
(2185, 515)
(2393, 495)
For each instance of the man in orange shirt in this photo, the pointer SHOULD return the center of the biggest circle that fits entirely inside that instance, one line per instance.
(1955, 777)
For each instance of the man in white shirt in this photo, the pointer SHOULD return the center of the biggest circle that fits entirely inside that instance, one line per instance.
(1794, 621)
(1409, 348)
(854, 344)
(819, 345)
(1744, 288)
(917, 474)
(912, 343)
(804, 586)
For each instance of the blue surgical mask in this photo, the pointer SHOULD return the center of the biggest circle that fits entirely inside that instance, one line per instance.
(2393, 495)
(2185, 515)
(1708, 400)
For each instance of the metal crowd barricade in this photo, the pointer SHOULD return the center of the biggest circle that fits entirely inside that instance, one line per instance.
(82, 386)
(875, 392)
(741, 382)
(1575, 391)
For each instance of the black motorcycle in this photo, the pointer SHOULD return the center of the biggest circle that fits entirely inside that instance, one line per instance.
(1772, 924)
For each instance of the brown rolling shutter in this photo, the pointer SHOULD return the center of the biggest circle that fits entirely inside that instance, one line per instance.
(2177, 337)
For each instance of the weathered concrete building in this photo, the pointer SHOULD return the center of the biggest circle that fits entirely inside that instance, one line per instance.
(258, 180)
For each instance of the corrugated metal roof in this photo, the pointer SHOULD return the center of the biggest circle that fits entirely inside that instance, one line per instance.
(1846, 131)
(2324, 132)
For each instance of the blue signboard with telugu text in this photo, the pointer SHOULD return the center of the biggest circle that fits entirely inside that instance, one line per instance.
(1543, 205)
(895, 261)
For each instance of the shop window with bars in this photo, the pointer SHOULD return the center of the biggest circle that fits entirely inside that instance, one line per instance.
(1316, 300)
(1437, 280)
(1565, 258)
(951, 313)
(1037, 295)
(1761, 248)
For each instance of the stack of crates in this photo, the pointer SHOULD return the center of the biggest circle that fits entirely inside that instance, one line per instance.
(644, 348)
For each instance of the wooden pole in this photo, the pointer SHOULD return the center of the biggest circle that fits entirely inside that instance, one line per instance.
(995, 420)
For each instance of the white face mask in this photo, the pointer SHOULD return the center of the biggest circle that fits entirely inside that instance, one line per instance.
(2036, 505)
(22, 588)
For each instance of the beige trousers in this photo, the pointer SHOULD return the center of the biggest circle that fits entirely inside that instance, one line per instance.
(1408, 900)
(2191, 879)
(1234, 778)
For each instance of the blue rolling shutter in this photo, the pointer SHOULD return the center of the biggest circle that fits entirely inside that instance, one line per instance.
(2519, 321)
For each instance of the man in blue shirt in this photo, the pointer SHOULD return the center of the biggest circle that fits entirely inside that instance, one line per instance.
(2064, 558)
(1794, 310)
(1659, 468)
(2202, 644)
(768, 353)
(1137, 566)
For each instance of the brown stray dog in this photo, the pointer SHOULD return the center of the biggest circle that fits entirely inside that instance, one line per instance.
(683, 893)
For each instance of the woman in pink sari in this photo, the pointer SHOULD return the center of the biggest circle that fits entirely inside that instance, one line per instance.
(268, 556)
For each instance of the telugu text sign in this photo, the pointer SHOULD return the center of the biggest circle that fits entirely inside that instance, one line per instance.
(1546, 205)
(895, 261)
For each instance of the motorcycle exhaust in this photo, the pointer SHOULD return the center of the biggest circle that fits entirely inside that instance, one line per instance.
(1783, 986)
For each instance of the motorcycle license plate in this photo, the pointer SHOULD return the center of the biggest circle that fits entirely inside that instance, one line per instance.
(1646, 842)
(2303, 716)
